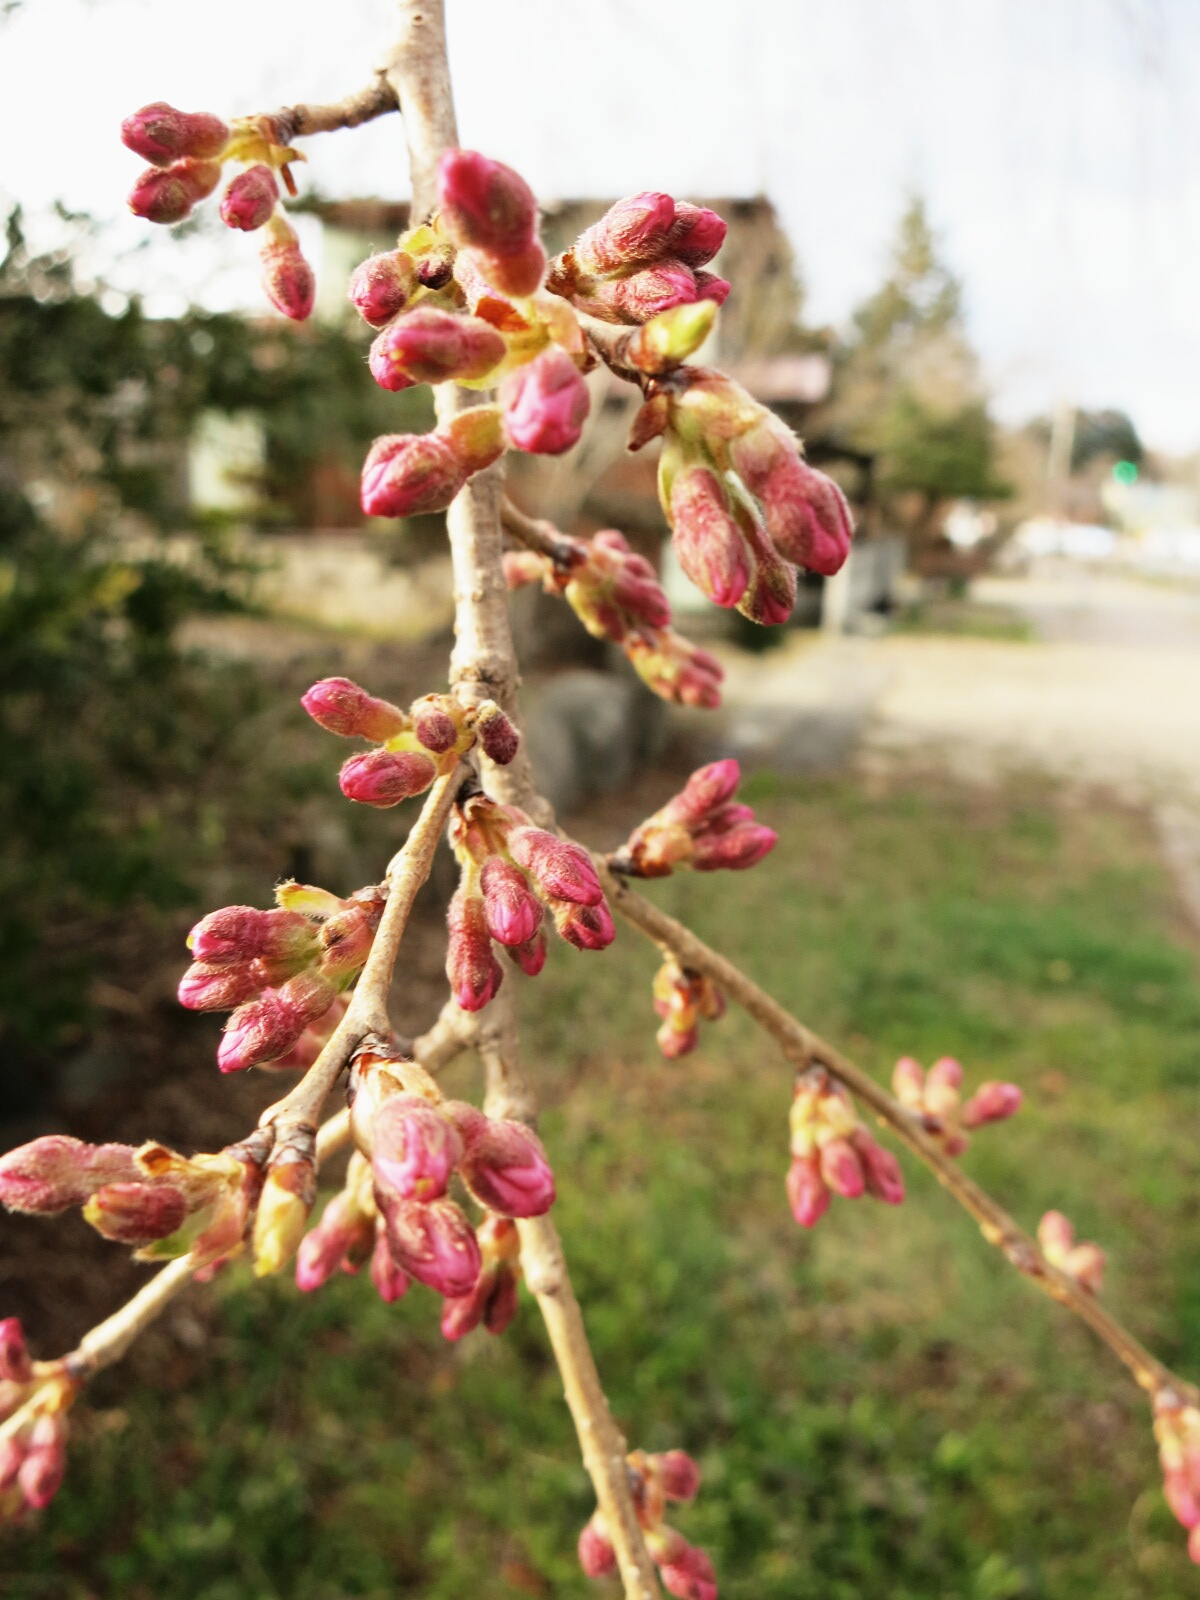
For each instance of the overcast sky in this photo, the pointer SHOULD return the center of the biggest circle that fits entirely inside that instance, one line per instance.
(1057, 143)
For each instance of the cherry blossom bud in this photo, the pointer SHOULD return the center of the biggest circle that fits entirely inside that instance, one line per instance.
(1085, 1263)
(842, 1169)
(384, 778)
(267, 1027)
(710, 287)
(512, 911)
(384, 370)
(696, 233)
(472, 969)
(991, 1102)
(45, 1461)
(908, 1083)
(881, 1170)
(586, 927)
(382, 285)
(669, 339)
(707, 538)
(545, 404)
(137, 1213)
(738, 849)
(250, 199)
(284, 1208)
(496, 734)
(208, 987)
(485, 204)
(434, 1243)
(649, 422)
(343, 1238)
(679, 1474)
(167, 195)
(15, 1365)
(1056, 1236)
(345, 940)
(407, 474)
(636, 229)
(390, 1280)
(558, 867)
(648, 292)
(942, 1087)
(287, 277)
(675, 1041)
(162, 135)
(503, 1163)
(770, 596)
(431, 346)
(414, 1147)
(805, 512)
(493, 1300)
(236, 934)
(690, 1576)
(674, 668)
(55, 1172)
(340, 706)
(433, 725)
(707, 788)
(530, 956)
(596, 1554)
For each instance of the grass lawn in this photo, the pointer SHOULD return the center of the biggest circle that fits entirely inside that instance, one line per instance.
(881, 1407)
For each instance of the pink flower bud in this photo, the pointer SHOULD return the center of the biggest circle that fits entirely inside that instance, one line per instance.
(414, 1148)
(596, 1554)
(45, 1461)
(433, 725)
(991, 1102)
(137, 1213)
(674, 668)
(56, 1171)
(690, 1576)
(343, 1238)
(637, 229)
(15, 1365)
(208, 987)
(648, 292)
(1085, 1263)
(340, 706)
(381, 286)
(485, 204)
(472, 969)
(842, 1169)
(432, 346)
(586, 927)
(1055, 1235)
(881, 1170)
(739, 848)
(530, 956)
(407, 474)
(512, 911)
(641, 595)
(706, 789)
(287, 277)
(558, 867)
(250, 199)
(269, 1026)
(696, 233)
(384, 370)
(434, 1243)
(237, 934)
(390, 1280)
(679, 1473)
(160, 134)
(675, 1042)
(383, 778)
(770, 596)
(167, 195)
(908, 1083)
(805, 512)
(710, 287)
(496, 734)
(345, 940)
(545, 404)
(503, 1164)
(942, 1087)
(707, 538)
(493, 1300)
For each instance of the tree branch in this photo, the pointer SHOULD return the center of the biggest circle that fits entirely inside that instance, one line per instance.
(805, 1048)
(542, 537)
(296, 122)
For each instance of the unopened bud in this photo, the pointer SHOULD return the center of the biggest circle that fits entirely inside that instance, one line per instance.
(250, 199)
(710, 287)
(433, 725)
(648, 292)
(808, 1193)
(842, 1169)
(530, 956)
(636, 229)
(269, 1026)
(696, 233)
(431, 346)
(485, 204)
(284, 1208)
(381, 286)
(708, 787)
(472, 969)
(881, 1170)
(340, 706)
(287, 277)
(137, 1213)
(1056, 1236)
(408, 474)
(344, 1238)
(942, 1086)
(237, 934)
(545, 404)
(45, 1462)
(496, 733)
(55, 1172)
(707, 539)
(908, 1083)
(739, 848)
(596, 1554)
(511, 910)
(689, 1575)
(390, 1280)
(208, 987)
(586, 927)
(991, 1102)
(558, 867)
(346, 939)
(433, 1242)
(670, 338)
(160, 134)
(679, 1474)
(503, 1163)
(167, 194)
(383, 778)
(414, 1147)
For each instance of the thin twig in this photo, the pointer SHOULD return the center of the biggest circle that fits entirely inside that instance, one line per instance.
(542, 537)
(296, 122)
(805, 1048)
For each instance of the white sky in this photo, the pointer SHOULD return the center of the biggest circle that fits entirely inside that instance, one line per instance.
(1057, 142)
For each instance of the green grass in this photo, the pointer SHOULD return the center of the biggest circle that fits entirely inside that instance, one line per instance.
(969, 619)
(881, 1407)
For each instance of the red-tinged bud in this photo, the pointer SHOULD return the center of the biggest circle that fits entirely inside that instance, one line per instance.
(586, 927)
(160, 134)
(384, 778)
(1193, 1546)
(596, 1554)
(384, 370)
(287, 277)
(237, 934)
(340, 706)
(345, 941)
(434, 1243)
(842, 1169)
(493, 1300)
(55, 1172)
(942, 1087)
(770, 597)
(636, 229)
(530, 956)
(522, 567)
(908, 1083)
(707, 538)
(414, 1148)
(545, 404)
(881, 1170)
(676, 669)
(679, 1474)
(806, 513)
(285, 1205)
(513, 913)
(991, 1102)
(343, 1238)
(167, 195)
(741, 847)
(559, 867)
(485, 204)
(390, 1280)
(710, 287)
(472, 969)
(269, 1026)
(516, 275)
(432, 346)
(690, 1576)
(675, 1042)
(708, 788)
(15, 1365)
(696, 233)
(642, 598)
(249, 199)
(45, 1461)
(407, 474)
(1056, 1236)
(670, 339)
(137, 1213)
(648, 292)
(311, 1042)
(1085, 1263)
(208, 987)
(500, 740)
(503, 1164)
(381, 286)
(433, 726)
(649, 422)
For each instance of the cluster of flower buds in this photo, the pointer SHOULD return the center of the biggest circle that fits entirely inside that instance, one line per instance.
(413, 747)
(616, 594)
(187, 151)
(395, 1210)
(833, 1152)
(1177, 1430)
(683, 998)
(701, 827)
(34, 1402)
(280, 971)
(512, 874)
(161, 1203)
(645, 255)
(655, 1480)
(1083, 1262)
(936, 1097)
